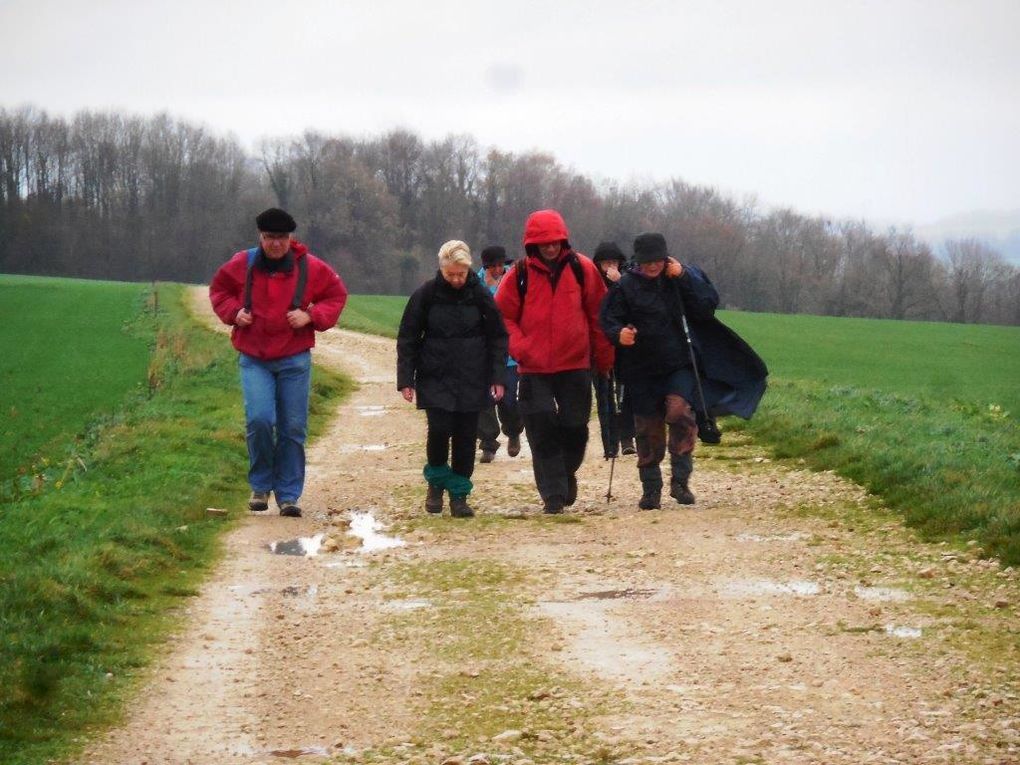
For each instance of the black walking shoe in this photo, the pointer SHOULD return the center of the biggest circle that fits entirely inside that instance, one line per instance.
(553, 506)
(290, 510)
(628, 447)
(681, 494)
(459, 508)
(259, 501)
(487, 456)
(571, 490)
(650, 500)
(513, 446)
(434, 499)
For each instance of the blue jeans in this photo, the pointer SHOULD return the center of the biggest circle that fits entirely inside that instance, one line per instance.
(276, 414)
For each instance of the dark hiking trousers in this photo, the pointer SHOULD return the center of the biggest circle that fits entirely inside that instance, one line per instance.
(451, 431)
(556, 409)
(674, 417)
(509, 419)
(616, 427)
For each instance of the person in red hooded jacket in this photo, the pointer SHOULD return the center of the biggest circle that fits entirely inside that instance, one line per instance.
(550, 304)
(276, 296)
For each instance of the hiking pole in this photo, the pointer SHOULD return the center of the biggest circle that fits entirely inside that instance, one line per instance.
(614, 412)
(708, 434)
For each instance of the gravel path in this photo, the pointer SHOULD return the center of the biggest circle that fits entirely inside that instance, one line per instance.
(783, 619)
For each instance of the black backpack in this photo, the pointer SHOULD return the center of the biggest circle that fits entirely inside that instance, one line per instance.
(299, 290)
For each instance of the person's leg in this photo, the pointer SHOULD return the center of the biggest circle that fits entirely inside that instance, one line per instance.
(625, 427)
(293, 388)
(464, 426)
(510, 414)
(683, 433)
(437, 451)
(604, 408)
(573, 400)
(488, 432)
(258, 386)
(538, 410)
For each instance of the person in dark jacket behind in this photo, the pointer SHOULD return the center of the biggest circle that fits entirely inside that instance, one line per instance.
(616, 420)
(451, 354)
(258, 292)
(552, 318)
(643, 316)
(494, 263)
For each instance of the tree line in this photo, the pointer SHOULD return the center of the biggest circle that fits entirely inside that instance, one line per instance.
(113, 196)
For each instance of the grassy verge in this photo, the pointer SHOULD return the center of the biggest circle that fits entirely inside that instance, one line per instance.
(951, 469)
(93, 565)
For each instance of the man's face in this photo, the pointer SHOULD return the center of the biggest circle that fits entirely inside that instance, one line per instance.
(550, 250)
(652, 269)
(496, 272)
(274, 245)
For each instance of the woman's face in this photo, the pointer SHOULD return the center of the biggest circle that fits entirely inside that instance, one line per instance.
(653, 269)
(455, 274)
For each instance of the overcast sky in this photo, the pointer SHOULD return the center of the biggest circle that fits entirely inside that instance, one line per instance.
(895, 111)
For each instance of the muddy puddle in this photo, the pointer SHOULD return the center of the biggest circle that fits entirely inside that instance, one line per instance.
(367, 528)
(302, 546)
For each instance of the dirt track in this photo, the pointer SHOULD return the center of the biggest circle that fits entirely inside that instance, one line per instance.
(780, 620)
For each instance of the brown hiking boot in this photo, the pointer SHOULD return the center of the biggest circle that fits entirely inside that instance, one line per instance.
(459, 508)
(650, 500)
(681, 494)
(553, 506)
(487, 456)
(434, 499)
(513, 446)
(259, 501)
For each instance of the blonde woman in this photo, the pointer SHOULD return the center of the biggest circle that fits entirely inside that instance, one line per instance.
(451, 360)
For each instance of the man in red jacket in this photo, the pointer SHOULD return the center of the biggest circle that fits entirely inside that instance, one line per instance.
(550, 303)
(275, 296)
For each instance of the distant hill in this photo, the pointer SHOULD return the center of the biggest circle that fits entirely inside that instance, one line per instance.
(1000, 230)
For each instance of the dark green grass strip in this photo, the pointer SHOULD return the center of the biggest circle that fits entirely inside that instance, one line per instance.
(374, 314)
(70, 350)
(90, 573)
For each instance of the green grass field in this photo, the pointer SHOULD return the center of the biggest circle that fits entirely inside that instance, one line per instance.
(95, 560)
(374, 314)
(71, 352)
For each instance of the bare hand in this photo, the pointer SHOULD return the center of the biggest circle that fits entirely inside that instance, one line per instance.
(613, 273)
(298, 318)
(628, 335)
(674, 268)
(497, 392)
(408, 394)
(243, 318)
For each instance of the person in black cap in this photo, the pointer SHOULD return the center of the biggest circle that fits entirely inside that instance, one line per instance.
(494, 265)
(644, 317)
(616, 421)
(276, 296)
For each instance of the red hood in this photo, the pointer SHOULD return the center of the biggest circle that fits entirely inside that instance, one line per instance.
(298, 248)
(545, 226)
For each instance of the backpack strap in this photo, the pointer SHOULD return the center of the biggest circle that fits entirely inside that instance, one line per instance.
(249, 275)
(302, 280)
(299, 290)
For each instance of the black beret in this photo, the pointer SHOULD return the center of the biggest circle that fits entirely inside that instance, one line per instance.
(649, 248)
(493, 255)
(275, 221)
(608, 251)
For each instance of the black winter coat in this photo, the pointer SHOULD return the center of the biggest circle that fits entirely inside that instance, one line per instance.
(452, 345)
(732, 375)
